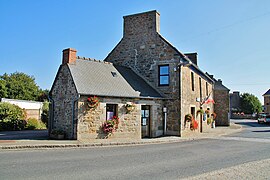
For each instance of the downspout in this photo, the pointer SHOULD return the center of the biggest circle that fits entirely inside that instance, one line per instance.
(51, 115)
(180, 97)
(73, 115)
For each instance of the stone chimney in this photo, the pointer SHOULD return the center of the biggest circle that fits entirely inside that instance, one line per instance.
(141, 24)
(69, 56)
(192, 57)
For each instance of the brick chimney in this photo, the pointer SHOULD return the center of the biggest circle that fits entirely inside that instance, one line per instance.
(142, 24)
(69, 56)
(192, 57)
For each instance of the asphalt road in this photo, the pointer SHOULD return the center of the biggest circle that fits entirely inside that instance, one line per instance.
(155, 161)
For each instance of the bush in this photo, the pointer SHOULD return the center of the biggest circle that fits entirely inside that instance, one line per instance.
(11, 117)
(45, 113)
(33, 123)
(9, 112)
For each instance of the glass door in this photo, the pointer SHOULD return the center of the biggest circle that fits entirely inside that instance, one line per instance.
(145, 121)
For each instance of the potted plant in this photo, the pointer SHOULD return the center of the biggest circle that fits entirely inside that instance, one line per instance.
(194, 124)
(207, 112)
(57, 134)
(199, 111)
(209, 121)
(110, 126)
(92, 101)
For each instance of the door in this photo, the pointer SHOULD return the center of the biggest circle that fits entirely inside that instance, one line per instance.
(145, 121)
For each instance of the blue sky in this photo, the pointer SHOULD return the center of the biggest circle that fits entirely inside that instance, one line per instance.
(231, 37)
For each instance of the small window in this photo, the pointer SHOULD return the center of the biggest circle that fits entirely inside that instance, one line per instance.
(164, 75)
(206, 86)
(111, 110)
(200, 86)
(192, 81)
(114, 74)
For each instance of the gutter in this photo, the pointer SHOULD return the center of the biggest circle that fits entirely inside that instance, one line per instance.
(51, 115)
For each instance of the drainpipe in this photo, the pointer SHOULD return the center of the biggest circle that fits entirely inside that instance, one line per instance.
(73, 114)
(165, 119)
(51, 115)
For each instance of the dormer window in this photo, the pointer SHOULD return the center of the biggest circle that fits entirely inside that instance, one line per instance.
(164, 75)
(114, 74)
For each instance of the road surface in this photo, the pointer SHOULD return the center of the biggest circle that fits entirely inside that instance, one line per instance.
(216, 158)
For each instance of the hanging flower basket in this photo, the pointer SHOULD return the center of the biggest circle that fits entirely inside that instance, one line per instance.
(199, 111)
(214, 115)
(194, 124)
(188, 118)
(130, 107)
(207, 112)
(110, 126)
(92, 102)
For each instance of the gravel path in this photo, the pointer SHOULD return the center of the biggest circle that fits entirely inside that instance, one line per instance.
(251, 170)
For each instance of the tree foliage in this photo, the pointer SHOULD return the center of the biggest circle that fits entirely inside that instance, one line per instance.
(250, 103)
(19, 86)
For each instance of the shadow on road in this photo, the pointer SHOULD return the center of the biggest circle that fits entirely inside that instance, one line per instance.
(262, 131)
(251, 123)
(24, 135)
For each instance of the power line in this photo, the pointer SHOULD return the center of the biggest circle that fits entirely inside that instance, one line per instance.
(228, 26)
(250, 84)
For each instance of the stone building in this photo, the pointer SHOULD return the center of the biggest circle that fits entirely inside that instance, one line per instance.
(267, 102)
(222, 103)
(143, 70)
(235, 102)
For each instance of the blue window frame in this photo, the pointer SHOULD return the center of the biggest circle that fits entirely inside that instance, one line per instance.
(164, 75)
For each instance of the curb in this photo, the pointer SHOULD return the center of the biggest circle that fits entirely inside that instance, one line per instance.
(87, 145)
(52, 146)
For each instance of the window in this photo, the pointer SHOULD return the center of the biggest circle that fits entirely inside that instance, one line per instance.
(164, 75)
(200, 85)
(192, 81)
(111, 110)
(206, 85)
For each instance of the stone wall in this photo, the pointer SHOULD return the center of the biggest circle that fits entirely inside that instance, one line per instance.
(222, 107)
(267, 104)
(33, 113)
(90, 120)
(143, 50)
(64, 107)
(190, 98)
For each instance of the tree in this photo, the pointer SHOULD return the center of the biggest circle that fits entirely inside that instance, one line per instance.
(250, 103)
(19, 86)
(3, 88)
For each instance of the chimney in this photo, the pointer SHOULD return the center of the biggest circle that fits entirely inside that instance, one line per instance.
(146, 23)
(69, 56)
(192, 57)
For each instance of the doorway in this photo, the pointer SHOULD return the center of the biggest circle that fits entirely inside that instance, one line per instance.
(145, 121)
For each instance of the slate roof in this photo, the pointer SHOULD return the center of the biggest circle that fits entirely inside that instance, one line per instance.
(104, 79)
(267, 93)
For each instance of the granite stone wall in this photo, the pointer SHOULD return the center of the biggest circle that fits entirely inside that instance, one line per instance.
(64, 109)
(191, 99)
(143, 49)
(90, 120)
(267, 104)
(222, 107)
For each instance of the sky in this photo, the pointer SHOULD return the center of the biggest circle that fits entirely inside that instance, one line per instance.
(231, 37)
